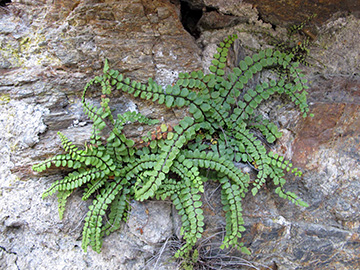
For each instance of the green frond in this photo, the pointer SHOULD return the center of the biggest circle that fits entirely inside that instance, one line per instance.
(74, 180)
(278, 180)
(118, 212)
(290, 196)
(101, 117)
(58, 161)
(168, 188)
(189, 173)
(188, 202)
(282, 163)
(268, 129)
(133, 117)
(62, 199)
(213, 161)
(231, 198)
(147, 184)
(151, 181)
(220, 57)
(186, 81)
(118, 146)
(93, 186)
(67, 145)
(92, 232)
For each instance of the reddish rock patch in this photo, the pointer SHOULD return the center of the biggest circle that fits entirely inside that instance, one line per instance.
(334, 125)
(295, 11)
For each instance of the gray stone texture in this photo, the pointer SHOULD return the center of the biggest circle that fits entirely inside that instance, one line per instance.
(50, 49)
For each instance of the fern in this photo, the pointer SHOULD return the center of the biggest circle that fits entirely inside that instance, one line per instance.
(169, 163)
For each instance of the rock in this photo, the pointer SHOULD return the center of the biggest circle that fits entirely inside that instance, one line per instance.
(151, 221)
(8, 260)
(50, 50)
(289, 12)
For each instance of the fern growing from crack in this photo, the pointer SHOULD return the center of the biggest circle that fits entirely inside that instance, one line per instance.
(170, 162)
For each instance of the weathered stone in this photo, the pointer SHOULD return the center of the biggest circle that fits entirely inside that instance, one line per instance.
(8, 260)
(288, 12)
(150, 221)
(48, 52)
(216, 20)
(338, 42)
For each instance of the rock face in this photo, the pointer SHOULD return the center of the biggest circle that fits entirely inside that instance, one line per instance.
(285, 12)
(49, 51)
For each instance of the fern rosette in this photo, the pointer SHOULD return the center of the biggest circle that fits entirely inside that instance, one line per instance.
(222, 129)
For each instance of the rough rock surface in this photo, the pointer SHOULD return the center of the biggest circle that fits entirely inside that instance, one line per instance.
(284, 12)
(50, 49)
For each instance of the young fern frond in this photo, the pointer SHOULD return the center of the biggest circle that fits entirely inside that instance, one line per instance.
(62, 198)
(220, 58)
(173, 162)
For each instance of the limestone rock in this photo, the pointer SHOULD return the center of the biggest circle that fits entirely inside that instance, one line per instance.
(48, 52)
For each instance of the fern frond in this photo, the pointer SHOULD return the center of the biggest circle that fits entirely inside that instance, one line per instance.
(231, 198)
(186, 130)
(219, 62)
(93, 186)
(67, 145)
(186, 81)
(188, 204)
(92, 231)
(278, 180)
(189, 173)
(62, 198)
(99, 116)
(282, 163)
(268, 129)
(118, 212)
(256, 154)
(168, 188)
(74, 180)
(213, 161)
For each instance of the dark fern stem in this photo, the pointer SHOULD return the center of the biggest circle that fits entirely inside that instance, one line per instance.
(170, 162)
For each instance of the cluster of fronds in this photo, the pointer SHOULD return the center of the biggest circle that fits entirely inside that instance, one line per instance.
(172, 162)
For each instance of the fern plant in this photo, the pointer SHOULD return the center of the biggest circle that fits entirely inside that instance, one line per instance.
(171, 162)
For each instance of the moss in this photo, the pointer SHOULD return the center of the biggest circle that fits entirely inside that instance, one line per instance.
(4, 99)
